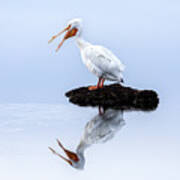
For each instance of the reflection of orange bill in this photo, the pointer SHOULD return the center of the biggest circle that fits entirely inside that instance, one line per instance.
(71, 155)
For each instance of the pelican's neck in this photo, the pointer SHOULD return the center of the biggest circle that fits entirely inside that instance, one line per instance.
(82, 147)
(81, 43)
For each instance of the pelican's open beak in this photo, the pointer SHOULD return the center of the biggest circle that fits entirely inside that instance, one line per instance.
(71, 155)
(70, 33)
(54, 152)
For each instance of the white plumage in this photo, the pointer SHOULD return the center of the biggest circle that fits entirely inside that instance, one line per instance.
(102, 62)
(102, 128)
(99, 60)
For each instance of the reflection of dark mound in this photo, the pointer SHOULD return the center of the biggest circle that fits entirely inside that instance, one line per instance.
(115, 96)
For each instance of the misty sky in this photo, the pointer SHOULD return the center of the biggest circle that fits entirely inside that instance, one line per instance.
(143, 34)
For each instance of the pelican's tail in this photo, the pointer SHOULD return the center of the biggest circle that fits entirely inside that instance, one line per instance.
(122, 80)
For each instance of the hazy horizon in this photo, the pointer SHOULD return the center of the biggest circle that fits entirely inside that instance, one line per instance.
(144, 35)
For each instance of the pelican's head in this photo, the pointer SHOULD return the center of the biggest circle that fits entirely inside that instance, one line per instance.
(75, 160)
(73, 29)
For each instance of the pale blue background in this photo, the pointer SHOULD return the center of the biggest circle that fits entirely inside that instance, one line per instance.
(145, 35)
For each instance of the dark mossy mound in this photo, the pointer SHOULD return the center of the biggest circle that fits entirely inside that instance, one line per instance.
(115, 96)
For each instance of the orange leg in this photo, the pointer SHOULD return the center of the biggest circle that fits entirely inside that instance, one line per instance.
(102, 83)
(101, 110)
(97, 86)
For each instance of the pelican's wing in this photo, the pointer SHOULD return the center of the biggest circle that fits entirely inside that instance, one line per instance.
(104, 59)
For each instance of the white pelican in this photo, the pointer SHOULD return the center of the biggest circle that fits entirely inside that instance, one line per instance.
(99, 60)
(100, 129)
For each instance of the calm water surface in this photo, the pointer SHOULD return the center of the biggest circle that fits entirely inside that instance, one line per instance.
(136, 145)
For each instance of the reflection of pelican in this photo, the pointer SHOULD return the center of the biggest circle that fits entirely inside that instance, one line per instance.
(99, 60)
(100, 129)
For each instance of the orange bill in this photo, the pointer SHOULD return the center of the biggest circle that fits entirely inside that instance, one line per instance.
(55, 36)
(54, 152)
(70, 154)
(70, 33)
